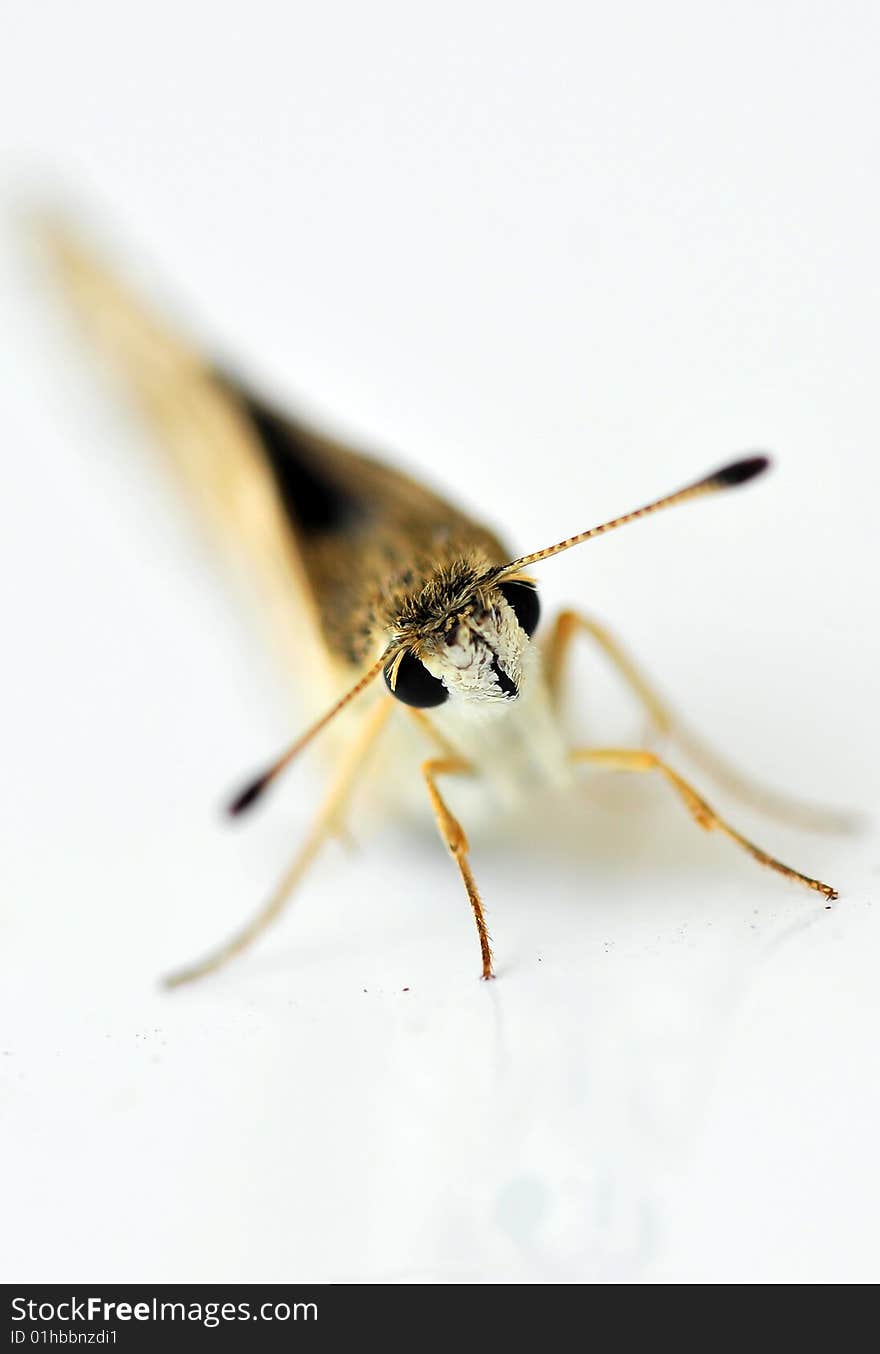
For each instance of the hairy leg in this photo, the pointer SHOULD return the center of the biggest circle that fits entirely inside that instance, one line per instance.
(456, 842)
(808, 816)
(325, 825)
(638, 759)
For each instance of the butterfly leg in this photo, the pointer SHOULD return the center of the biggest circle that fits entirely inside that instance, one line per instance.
(808, 816)
(325, 825)
(630, 759)
(456, 842)
(567, 625)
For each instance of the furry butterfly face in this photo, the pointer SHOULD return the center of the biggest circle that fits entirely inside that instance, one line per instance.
(477, 654)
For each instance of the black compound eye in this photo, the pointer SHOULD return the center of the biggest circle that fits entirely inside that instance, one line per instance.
(523, 597)
(414, 684)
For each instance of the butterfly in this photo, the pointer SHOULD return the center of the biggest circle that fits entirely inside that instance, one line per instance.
(398, 605)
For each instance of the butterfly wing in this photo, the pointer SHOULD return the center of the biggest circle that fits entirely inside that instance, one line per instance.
(316, 521)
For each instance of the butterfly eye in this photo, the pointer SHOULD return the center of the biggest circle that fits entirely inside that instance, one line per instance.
(414, 684)
(526, 607)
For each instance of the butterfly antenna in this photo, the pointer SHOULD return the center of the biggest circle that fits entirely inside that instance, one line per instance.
(728, 477)
(256, 788)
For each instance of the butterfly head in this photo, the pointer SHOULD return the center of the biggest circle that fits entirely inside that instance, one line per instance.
(465, 638)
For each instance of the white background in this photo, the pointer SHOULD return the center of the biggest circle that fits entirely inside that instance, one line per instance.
(559, 258)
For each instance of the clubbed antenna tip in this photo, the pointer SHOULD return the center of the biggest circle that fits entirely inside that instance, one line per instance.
(248, 796)
(740, 472)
